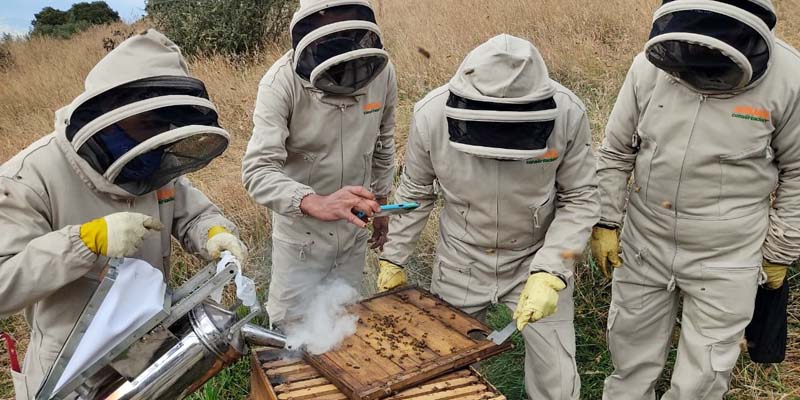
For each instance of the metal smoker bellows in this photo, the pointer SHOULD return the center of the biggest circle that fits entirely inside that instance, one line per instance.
(172, 355)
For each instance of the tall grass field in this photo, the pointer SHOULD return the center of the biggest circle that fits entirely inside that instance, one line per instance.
(588, 46)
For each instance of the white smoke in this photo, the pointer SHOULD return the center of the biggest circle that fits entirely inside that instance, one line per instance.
(326, 322)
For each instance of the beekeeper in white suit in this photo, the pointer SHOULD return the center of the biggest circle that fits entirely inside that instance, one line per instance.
(708, 121)
(322, 148)
(510, 150)
(103, 185)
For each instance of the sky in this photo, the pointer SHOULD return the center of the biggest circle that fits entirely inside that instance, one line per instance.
(16, 15)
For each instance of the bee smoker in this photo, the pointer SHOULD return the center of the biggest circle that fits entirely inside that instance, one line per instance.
(172, 355)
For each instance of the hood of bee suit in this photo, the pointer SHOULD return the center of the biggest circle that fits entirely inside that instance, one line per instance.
(501, 102)
(142, 120)
(713, 46)
(337, 45)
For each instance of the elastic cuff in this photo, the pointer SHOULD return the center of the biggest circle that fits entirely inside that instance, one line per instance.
(768, 263)
(564, 275)
(83, 251)
(392, 262)
(216, 230)
(299, 194)
(606, 225)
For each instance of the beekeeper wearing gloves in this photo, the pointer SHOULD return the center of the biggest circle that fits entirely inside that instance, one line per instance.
(107, 183)
(708, 122)
(323, 148)
(510, 151)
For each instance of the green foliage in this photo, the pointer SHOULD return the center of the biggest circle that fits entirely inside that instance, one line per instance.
(49, 16)
(63, 24)
(95, 13)
(221, 26)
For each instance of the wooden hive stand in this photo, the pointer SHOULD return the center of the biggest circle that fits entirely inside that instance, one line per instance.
(275, 377)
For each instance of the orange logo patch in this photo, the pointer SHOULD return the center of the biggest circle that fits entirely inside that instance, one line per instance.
(751, 113)
(372, 107)
(165, 195)
(550, 156)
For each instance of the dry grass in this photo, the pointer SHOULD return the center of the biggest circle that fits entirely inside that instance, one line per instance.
(587, 44)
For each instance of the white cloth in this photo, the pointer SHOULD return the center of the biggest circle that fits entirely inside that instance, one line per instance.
(245, 287)
(136, 296)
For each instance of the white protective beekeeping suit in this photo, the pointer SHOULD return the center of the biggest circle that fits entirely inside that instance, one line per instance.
(708, 122)
(510, 150)
(91, 167)
(324, 119)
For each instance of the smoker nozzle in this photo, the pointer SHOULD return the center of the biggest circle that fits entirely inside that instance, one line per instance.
(256, 335)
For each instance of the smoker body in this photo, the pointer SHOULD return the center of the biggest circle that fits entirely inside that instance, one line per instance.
(191, 342)
(207, 347)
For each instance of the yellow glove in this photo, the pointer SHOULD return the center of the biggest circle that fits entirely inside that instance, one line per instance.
(390, 276)
(118, 235)
(220, 239)
(539, 299)
(605, 248)
(776, 274)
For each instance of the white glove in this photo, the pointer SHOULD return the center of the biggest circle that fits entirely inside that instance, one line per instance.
(219, 240)
(245, 287)
(119, 234)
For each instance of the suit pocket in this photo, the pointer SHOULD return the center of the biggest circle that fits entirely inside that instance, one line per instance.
(20, 386)
(746, 171)
(288, 250)
(452, 283)
(542, 214)
(724, 356)
(457, 213)
(300, 166)
(648, 148)
(367, 181)
(727, 298)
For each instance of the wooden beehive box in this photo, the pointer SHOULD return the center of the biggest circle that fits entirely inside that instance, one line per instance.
(274, 378)
(403, 338)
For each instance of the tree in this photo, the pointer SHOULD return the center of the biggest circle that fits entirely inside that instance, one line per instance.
(95, 13)
(63, 24)
(49, 16)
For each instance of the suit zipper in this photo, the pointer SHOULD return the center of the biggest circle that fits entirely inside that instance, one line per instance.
(495, 300)
(678, 189)
(342, 108)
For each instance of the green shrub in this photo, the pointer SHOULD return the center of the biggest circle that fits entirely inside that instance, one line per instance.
(221, 26)
(63, 24)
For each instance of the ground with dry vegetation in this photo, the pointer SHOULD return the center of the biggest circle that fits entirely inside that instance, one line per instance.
(588, 46)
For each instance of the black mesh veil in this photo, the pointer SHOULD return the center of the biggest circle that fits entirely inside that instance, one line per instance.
(349, 12)
(178, 158)
(154, 167)
(332, 45)
(314, 56)
(516, 135)
(132, 92)
(702, 65)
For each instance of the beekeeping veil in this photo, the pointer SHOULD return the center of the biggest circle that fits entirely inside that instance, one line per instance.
(337, 45)
(501, 102)
(142, 121)
(713, 46)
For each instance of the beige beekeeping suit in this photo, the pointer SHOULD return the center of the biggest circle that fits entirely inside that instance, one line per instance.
(503, 220)
(698, 219)
(48, 190)
(309, 141)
